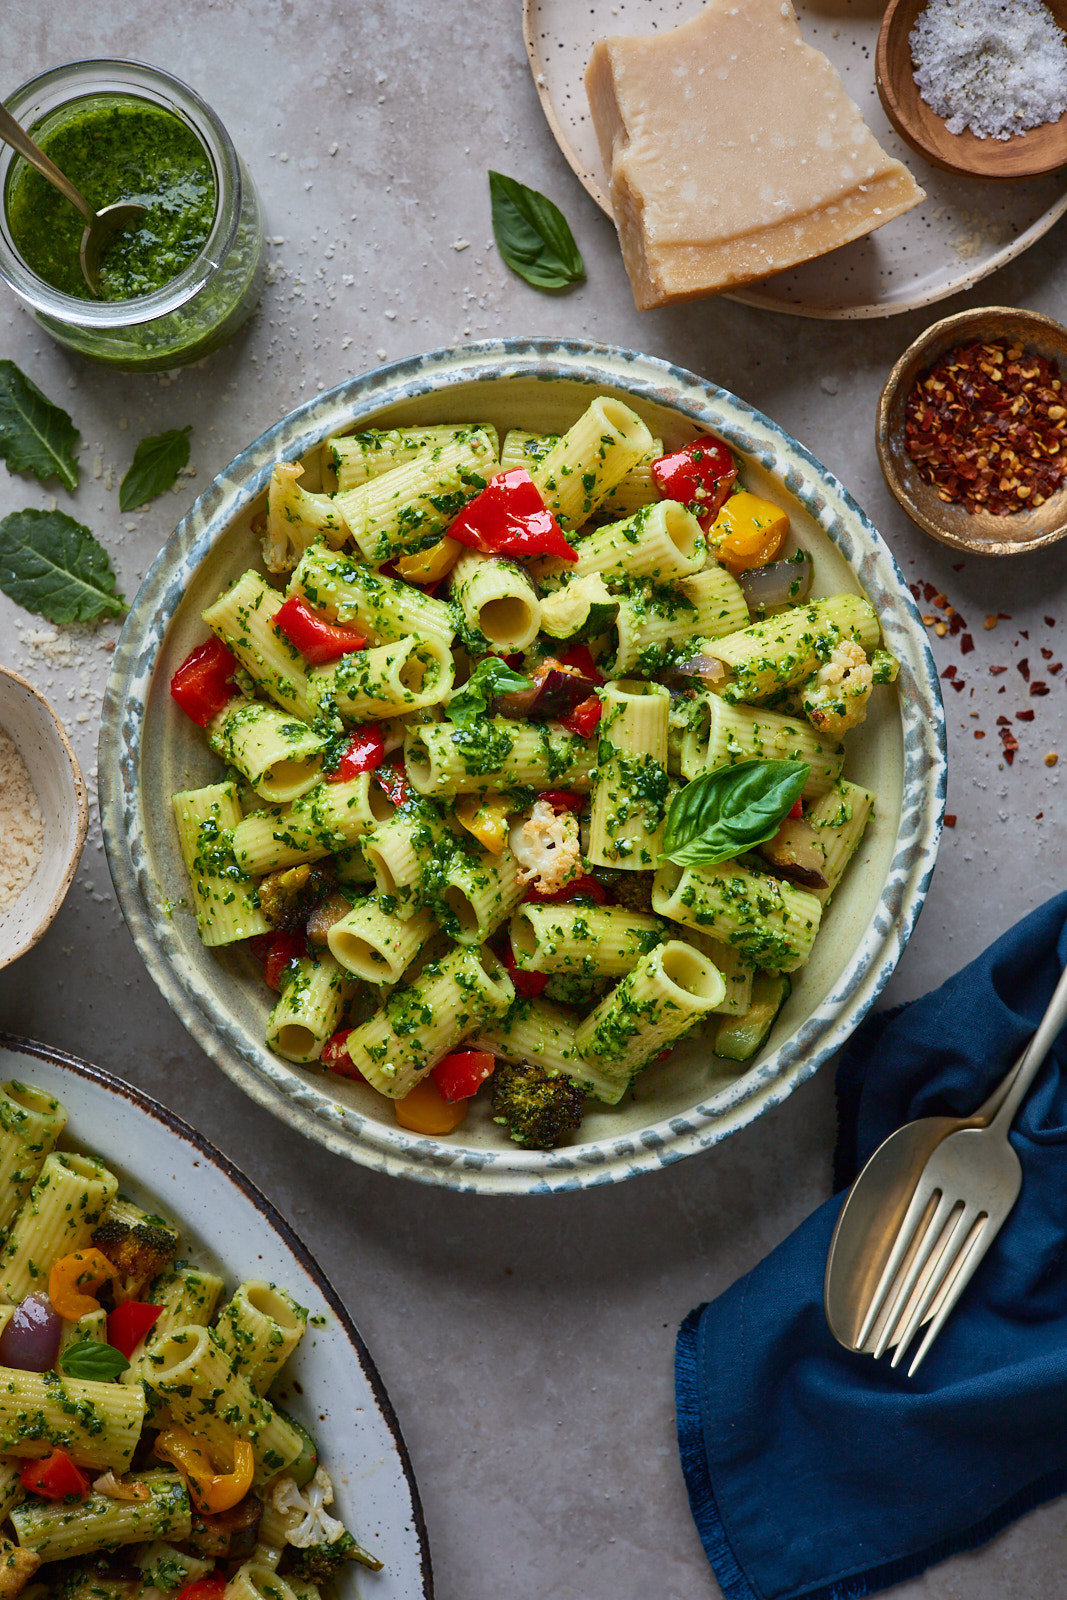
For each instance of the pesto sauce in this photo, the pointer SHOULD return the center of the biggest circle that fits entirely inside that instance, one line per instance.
(114, 151)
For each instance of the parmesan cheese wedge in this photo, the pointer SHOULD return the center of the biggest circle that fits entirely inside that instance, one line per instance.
(733, 152)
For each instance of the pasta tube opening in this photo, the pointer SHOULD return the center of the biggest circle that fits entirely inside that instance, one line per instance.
(685, 969)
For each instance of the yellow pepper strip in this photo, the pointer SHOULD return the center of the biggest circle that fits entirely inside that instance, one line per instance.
(424, 1109)
(74, 1281)
(209, 1490)
(429, 566)
(748, 532)
(486, 817)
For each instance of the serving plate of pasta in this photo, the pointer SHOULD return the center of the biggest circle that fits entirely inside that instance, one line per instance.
(185, 1401)
(522, 767)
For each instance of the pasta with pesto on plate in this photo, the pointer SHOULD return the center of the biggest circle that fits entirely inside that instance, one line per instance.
(534, 754)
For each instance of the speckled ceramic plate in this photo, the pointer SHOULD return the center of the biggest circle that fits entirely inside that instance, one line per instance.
(331, 1384)
(964, 229)
(148, 749)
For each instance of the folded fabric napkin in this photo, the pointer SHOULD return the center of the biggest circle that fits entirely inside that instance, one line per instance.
(816, 1472)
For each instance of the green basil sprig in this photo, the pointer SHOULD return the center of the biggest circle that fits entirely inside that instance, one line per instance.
(490, 678)
(532, 235)
(723, 813)
(88, 1358)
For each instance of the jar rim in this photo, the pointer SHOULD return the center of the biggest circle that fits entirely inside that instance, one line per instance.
(95, 77)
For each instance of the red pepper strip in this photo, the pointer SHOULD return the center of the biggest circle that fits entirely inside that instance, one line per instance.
(394, 780)
(212, 1588)
(55, 1477)
(128, 1324)
(335, 1056)
(563, 799)
(260, 944)
(510, 518)
(285, 947)
(203, 683)
(584, 718)
(528, 985)
(317, 640)
(700, 476)
(796, 809)
(581, 886)
(580, 656)
(462, 1074)
(366, 750)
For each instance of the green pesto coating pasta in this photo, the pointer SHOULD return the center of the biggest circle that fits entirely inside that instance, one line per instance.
(223, 894)
(498, 601)
(409, 508)
(56, 1531)
(588, 461)
(308, 1010)
(279, 755)
(97, 1424)
(591, 941)
(384, 608)
(493, 754)
(770, 922)
(839, 818)
(243, 618)
(324, 821)
(661, 542)
(787, 648)
(259, 1328)
(68, 1199)
(720, 735)
(385, 681)
(30, 1123)
(378, 945)
(630, 786)
(355, 458)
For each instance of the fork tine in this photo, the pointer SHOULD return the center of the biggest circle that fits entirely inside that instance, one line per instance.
(914, 1218)
(947, 1258)
(932, 1236)
(973, 1252)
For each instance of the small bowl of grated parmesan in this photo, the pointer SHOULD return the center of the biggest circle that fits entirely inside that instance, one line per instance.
(43, 815)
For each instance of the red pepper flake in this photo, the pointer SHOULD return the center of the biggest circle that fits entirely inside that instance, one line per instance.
(1050, 622)
(1024, 716)
(966, 645)
(1010, 743)
(958, 566)
(1038, 688)
(1056, 667)
(1040, 814)
(959, 683)
(956, 623)
(950, 671)
(1046, 655)
(929, 589)
(985, 427)
(996, 671)
(950, 819)
(1023, 666)
(1003, 722)
(978, 733)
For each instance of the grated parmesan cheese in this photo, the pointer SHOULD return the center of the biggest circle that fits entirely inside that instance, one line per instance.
(995, 67)
(21, 824)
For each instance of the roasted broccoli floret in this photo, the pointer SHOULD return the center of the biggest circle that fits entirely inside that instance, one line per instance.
(318, 1563)
(538, 1108)
(137, 1245)
(289, 897)
(568, 989)
(630, 889)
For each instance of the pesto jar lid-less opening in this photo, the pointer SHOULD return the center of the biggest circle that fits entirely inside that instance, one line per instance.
(210, 295)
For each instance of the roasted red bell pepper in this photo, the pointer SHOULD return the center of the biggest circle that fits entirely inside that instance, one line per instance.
(392, 777)
(462, 1074)
(128, 1324)
(204, 683)
(364, 752)
(581, 657)
(577, 888)
(55, 1477)
(335, 1057)
(796, 809)
(210, 1588)
(584, 718)
(285, 947)
(509, 518)
(700, 476)
(317, 640)
(528, 985)
(563, 799)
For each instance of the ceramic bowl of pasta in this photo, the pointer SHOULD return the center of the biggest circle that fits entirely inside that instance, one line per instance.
(522, 767)
(185, 1399)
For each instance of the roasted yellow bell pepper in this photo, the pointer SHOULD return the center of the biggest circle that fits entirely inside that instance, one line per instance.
(486, 817)
(748, 532)
(425, 1110)
(75, 1280)
(209, 1489)
(429, 566)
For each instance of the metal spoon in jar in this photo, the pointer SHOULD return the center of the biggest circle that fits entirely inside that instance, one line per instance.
(100, 226)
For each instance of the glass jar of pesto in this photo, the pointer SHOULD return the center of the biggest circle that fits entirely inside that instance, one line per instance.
(182, 281)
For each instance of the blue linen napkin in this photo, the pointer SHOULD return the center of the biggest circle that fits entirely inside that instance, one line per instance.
(816, 1472)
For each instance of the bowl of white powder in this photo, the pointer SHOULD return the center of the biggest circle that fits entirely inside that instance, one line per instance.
(43, 815)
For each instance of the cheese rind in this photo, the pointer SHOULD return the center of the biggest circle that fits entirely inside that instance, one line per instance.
(733, 152)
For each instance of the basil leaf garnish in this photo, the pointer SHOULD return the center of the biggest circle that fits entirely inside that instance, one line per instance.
(532, 235)
(490, 678)
(156, 464)
(723, 813)
(53, 565)
(91, 1359)
(36, 435)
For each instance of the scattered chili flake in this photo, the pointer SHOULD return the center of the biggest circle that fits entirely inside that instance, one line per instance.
(1010, 743)
(996, 671)
(1051, 759)
(1040, 814)
(978, 733)
(1046, 655)
(1038, 688)
(985, 427)
(958, 566)
(950, 671)
(1024, 716)
(950, 819)
(966, 645)
(1056, 667)
(991, 620)
(959, 683)
(1023, 634)
(1050, 622)
(940, 601)
(1023, 666)
(1003, 722)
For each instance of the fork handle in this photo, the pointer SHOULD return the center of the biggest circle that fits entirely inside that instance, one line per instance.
(1047, 1031)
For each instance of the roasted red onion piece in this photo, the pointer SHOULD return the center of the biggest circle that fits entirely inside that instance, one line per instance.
(557, 690)
(31, 1339)
(708, 668)
(783, 583)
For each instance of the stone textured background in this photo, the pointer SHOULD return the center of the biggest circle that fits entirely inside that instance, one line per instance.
(527, 1345)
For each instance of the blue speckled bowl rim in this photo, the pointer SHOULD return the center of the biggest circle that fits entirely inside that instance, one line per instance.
(295, 1096)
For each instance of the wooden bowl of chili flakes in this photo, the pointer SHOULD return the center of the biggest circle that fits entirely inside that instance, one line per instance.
(972, 431)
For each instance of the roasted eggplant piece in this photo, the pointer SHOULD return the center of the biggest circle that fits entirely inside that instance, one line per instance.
(326, 913)
(226, 1535)
(795, 853)
(556, 691)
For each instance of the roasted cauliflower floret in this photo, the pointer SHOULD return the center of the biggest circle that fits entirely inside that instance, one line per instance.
(296, 517)
(835, 698)
(307, 1520)
(547, 847)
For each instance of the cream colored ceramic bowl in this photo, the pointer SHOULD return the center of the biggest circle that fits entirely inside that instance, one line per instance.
(52, 767)
(148, 749)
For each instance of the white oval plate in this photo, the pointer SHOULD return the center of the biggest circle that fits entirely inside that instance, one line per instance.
(331, 1386)
(964, 230)
(148, 749)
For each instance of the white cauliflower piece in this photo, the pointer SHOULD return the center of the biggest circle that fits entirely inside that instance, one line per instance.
(547, 847)
(296, 517)
(121, 1488)
(307, 1521)
(835, 698)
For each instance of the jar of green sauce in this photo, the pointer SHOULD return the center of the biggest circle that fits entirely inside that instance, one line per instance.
(182, 280)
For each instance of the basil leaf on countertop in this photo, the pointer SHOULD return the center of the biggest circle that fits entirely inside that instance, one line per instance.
(52, 565)
(490, 678)
(156, 464)
(91, 1359)
(723, 813)
(532, 235)
(35, 434)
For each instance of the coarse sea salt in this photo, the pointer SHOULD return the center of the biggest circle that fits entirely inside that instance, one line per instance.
(996, 67)
(21, 824)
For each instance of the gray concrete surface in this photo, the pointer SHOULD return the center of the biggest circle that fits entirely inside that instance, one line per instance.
(526, 1345)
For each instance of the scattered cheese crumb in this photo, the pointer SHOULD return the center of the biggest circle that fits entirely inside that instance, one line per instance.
(21, 824)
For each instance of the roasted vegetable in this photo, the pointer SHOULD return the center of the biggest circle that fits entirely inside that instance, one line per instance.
(288, 898)
(556, 690)
(795, 852)
(740, 1038)
(226, 1535)
(318, 1563)
(537, 1108)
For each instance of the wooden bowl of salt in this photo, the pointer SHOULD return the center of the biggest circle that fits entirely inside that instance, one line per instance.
(1031, 154)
